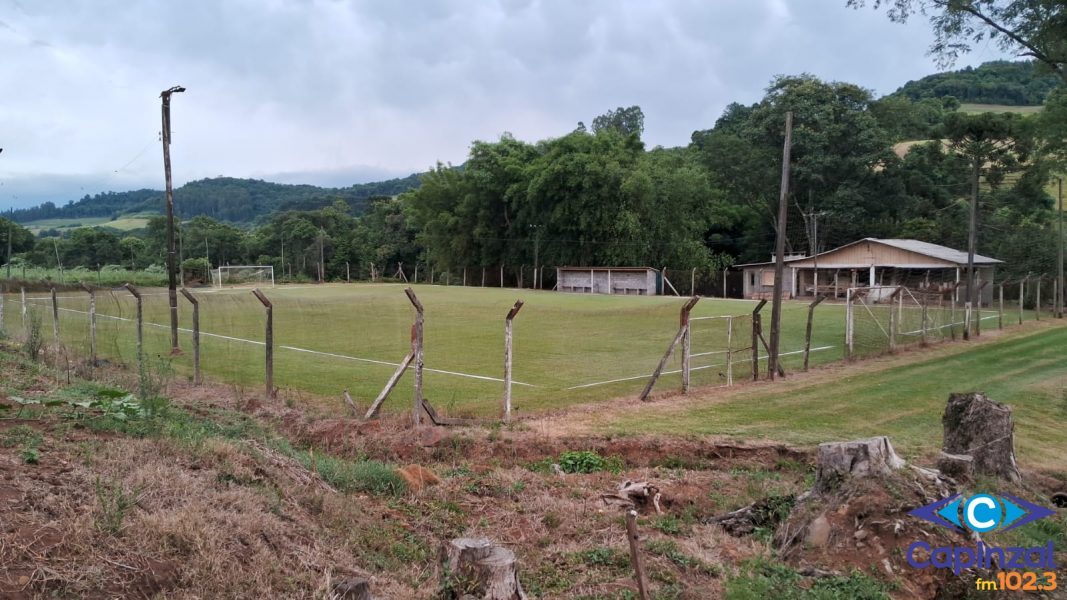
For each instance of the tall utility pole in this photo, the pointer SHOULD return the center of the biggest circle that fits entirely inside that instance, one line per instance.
(11, 232)
(972, 241)
(779, 251)
(172, 267)
(1060, 254)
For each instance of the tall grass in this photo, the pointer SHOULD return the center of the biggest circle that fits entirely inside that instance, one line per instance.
(109, 276)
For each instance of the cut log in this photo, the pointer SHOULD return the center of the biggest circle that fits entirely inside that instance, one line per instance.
(765, 512)
(983, 429)
(477, 567)
(838, 461)
(634, 494)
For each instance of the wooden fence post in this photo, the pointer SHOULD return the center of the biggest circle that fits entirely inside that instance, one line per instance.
(92, 324)
(693, 282)
(416, 279)
(483, 276)
(850, 312)
(1022, 296)
(729, 351)
(635, 554)
(464, 276)
(140, 322)
(683, 327)
(925, 315)
(3, 299)
(196, 335)
(1000, 309)
(807, 334)
(55, 320)
(268, 340)
(418, 352)
(22, 293)
(507, 358)
(757, 333)
(1037, 299)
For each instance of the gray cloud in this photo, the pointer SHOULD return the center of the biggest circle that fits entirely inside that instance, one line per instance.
(367, 89)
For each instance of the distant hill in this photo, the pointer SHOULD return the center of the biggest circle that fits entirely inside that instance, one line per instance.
(222, 198)
(1012, 83)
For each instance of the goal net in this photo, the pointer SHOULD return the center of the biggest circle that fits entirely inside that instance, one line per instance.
(242, 275)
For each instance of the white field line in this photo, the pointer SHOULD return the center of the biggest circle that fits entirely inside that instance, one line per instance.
(296, 349)
(747, 360)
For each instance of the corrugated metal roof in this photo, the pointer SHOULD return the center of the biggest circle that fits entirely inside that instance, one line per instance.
(925, 248)
(935, 251)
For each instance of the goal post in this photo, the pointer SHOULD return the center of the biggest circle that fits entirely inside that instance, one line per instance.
(242, 275)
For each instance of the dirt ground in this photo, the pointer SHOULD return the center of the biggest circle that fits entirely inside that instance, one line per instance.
(227, 495)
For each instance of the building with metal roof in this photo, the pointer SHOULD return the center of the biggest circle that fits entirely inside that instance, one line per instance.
(873, 262)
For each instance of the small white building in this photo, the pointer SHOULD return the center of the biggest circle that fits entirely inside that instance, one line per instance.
(634, 281)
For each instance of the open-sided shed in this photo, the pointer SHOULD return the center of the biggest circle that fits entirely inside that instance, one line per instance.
(873, 262)
(637, 281)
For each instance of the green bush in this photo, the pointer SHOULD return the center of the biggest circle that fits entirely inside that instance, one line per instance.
(588, 461)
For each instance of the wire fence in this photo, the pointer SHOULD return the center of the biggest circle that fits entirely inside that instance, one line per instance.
(568, 348)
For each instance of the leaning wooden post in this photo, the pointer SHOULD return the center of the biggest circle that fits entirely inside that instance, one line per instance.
(757, 331)
(635, 554)
(196, 335)
(22, 297)
(894, 322)
(682, 329)
(92, 324)
(268, 340)
(807, 334)
(686, 350)
(140, 322)
(507, 359)
(418, 350)
(1000, 309)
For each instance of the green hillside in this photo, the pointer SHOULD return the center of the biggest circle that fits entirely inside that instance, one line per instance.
(222, 198)
(1010, 83)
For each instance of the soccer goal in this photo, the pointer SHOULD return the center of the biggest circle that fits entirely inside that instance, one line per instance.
(242, 275)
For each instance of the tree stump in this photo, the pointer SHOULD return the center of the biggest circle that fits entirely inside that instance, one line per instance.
(352, 588)
(838, 461)
(477, 567)
(984, 430)
(956, 466)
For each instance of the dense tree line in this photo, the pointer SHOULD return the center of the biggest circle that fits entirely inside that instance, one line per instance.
(598, 196)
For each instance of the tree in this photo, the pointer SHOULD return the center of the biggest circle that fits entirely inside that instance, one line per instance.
(1035, 28)
(627, 121)
(992, 144)
(14, 238)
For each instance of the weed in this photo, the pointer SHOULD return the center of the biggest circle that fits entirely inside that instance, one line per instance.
(669, 549)
(762, 578)
(349, 475)
(34, 341)
(588, 461)
(669, 524)
(30, 456)
(114, 503)
(153, 376)
(604, 557)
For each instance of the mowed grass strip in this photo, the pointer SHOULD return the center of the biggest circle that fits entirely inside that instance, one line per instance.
(1025, 369)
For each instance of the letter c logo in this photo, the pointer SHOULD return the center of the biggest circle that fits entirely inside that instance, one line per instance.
(982, 513)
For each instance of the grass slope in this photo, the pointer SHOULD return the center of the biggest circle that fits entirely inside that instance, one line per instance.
(998, 108)
(902, 398)
(126, 223)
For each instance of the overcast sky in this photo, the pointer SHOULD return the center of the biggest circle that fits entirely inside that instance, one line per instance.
(343, 92)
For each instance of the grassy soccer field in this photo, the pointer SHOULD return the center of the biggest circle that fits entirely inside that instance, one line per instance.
(568, 348)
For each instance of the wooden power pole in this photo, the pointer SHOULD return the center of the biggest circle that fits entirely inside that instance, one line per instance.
(779, 251)
(172, 267)
(972, 241)
(1060, 253)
